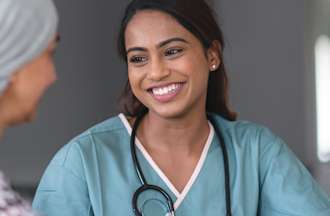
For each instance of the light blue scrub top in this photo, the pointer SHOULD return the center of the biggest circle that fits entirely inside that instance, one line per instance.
(94, 175)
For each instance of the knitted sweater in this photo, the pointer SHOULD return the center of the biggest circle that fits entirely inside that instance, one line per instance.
(11, 204)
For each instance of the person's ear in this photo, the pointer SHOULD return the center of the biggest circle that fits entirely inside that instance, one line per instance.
(213, 55)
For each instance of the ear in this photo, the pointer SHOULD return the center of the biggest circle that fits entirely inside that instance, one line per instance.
(213, 55)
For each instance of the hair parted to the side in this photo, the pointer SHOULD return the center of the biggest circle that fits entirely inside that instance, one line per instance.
(198, 18)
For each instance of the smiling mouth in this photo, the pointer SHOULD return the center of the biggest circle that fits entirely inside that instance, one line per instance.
(166, 93)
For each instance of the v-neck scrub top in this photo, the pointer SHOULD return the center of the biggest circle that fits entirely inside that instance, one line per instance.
(94, 175)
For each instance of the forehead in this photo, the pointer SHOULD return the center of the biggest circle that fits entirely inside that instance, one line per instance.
(149, 27)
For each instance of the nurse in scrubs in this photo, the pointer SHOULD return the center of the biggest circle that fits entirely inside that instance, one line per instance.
(177, 80)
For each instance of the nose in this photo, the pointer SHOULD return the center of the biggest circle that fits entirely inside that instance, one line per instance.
(158, 70)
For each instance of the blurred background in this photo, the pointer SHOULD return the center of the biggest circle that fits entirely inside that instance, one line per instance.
(271, 57)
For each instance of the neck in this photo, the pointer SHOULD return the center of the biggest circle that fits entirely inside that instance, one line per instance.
(186, 134)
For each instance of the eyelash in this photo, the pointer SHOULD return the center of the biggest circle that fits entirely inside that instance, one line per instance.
(137, 59)
(169, 52)
(175, 50)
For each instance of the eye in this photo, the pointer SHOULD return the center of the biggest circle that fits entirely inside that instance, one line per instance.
(138, 59)
(173, 51)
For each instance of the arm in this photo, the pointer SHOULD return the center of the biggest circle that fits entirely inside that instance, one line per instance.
(287, 188)
(63, 189)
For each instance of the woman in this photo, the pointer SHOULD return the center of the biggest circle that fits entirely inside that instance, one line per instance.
(27, 43)
(190, 157)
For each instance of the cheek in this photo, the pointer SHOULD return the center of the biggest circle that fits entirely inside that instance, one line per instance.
(197, 72)
(44, 76)
(193, 66)
(132, 81)
(46, 73)
(135, 78)
(199, 61)
(48, 66)
(50, 73)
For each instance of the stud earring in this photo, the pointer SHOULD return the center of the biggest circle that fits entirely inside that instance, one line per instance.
(213, 67)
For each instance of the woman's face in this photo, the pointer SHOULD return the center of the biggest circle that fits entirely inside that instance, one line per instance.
(168, 67)
(27, 85)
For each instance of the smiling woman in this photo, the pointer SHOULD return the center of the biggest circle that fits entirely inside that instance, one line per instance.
(206, 34)
(176, 149)
(168, 57)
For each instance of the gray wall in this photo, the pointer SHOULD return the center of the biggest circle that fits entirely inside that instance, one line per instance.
(317, 23)
(266, 54)
(265, 58)
(270, 58)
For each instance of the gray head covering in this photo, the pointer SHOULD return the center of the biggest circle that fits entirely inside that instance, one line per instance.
(26, 29)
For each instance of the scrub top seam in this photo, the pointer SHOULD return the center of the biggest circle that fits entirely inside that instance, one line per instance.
(64, 162)
(91, 133)
(270, 162)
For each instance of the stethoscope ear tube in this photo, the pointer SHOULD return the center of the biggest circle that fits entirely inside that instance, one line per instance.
(226, 165)
(133, 149)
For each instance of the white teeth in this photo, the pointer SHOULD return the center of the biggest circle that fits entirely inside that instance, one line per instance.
(165, 90)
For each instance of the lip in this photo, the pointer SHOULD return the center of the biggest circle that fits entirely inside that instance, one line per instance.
(166, 97)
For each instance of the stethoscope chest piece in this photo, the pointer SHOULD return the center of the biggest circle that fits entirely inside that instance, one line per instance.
(160, 202)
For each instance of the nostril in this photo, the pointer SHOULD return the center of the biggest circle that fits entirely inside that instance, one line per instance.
(158, 74)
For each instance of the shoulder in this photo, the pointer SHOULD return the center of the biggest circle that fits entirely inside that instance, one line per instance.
(245, 130)
(105, 135)
(245, 135)
(110, 125)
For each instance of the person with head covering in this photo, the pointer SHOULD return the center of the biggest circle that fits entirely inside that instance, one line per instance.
(28, 38)
(176, 148)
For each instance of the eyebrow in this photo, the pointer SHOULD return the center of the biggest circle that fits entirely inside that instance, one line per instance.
(161, 44)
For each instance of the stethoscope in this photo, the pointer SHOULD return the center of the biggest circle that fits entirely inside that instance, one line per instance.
(145, 186)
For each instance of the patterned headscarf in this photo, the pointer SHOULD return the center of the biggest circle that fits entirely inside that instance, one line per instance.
(26, 29)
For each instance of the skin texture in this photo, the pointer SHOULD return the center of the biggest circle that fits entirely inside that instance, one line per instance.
(179, 127)
(19, 101)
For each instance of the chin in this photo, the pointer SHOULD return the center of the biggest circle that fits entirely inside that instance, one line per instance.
(31, 114)
(31, 117)
(26, 117)
(170, 113)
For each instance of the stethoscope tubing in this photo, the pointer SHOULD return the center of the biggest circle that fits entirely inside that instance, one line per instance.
(226, 165)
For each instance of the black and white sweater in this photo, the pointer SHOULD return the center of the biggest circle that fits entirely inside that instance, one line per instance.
(11, 204)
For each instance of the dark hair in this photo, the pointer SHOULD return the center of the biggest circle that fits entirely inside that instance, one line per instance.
(197, 17)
